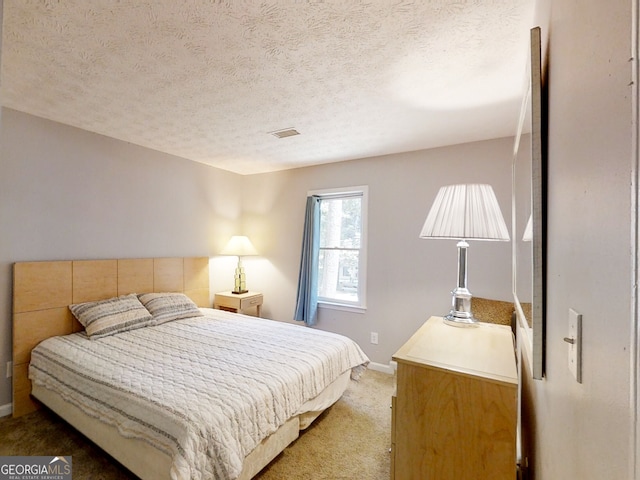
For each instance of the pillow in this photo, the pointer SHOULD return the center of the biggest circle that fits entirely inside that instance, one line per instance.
(111, 316)
(166, 307)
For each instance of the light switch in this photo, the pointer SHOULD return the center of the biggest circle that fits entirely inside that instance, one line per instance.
(574, 341)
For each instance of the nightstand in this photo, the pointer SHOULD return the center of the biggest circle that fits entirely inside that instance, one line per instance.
(238, 303)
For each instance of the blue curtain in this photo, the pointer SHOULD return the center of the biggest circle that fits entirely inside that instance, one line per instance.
(307, 300)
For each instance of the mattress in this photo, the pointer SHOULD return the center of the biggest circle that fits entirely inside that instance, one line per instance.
(204, 391)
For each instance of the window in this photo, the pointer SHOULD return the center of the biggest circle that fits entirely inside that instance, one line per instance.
(342, 255)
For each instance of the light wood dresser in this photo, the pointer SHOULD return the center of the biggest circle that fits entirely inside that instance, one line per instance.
(454, 412)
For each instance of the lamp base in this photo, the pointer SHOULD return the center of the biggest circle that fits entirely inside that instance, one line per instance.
(239, 279)
(455, 321)
(460, 314)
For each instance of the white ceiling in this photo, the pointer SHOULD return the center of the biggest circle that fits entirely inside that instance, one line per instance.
(208, 80)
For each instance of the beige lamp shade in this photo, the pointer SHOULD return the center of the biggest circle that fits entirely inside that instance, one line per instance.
(240, 246)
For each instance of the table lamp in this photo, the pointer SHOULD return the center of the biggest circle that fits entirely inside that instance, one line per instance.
(239, 246)
(464, 212)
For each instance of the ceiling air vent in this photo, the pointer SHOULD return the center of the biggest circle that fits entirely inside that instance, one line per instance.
(287, 132)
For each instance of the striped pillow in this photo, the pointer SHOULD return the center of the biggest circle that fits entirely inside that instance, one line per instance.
(166, 307)
(111, 316)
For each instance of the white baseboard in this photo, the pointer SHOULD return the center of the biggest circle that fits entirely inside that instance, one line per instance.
(6, 410)
(381, 367)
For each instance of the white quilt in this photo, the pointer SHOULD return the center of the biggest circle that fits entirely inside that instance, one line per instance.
(204, 390)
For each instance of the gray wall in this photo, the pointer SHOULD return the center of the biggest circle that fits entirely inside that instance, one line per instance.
(67, 193)
(409, 279)
(585, 430)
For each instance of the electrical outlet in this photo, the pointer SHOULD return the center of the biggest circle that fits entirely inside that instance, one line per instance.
(9, 369)
(374, 338)
(574, 339)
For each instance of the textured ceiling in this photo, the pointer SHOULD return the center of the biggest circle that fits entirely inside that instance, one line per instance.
(209, 80)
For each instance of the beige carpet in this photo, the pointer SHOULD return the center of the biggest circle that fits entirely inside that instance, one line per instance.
(349, 441)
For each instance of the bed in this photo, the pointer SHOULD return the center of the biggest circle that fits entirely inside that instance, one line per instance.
(212, 394)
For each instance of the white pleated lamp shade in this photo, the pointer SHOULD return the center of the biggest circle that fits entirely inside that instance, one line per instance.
(465, 212)
(240, 246)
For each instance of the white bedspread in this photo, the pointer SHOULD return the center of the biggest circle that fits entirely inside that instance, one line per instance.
(205, 390)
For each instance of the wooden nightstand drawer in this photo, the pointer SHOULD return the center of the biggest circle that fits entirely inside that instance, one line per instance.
(251, 302)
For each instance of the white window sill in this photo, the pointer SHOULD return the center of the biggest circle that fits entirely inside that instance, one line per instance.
(342, 306)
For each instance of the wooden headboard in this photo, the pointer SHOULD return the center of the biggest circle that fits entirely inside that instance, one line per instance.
(43, 291)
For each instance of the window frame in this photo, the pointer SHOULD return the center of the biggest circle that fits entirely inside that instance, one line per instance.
(361, 305)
